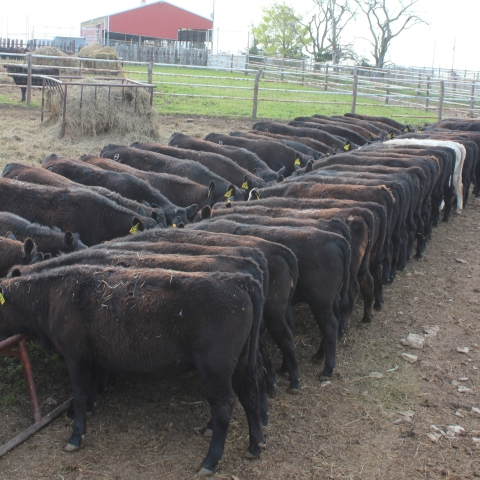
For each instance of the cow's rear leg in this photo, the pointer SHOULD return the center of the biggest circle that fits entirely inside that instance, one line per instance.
(283, 337)
(328, 324)
(24, 93)
(270, 375)
(80, 378)
(368, 291)
(217, 383)
(246, 387)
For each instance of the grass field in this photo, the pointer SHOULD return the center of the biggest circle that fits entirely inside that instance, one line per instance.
(223, 93)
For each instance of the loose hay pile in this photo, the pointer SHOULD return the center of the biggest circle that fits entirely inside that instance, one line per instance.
(123, 110)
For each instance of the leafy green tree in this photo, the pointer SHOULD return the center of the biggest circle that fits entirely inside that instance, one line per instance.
(280, 32)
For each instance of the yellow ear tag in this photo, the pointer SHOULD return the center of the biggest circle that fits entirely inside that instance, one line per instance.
(228, 200)
(228, 194)
(390, 135)
(174, 225)
(134, 229)
(245, 185)
(2, 300)
(209, 192)
(346, 147)
(297, 162)
(257, 195)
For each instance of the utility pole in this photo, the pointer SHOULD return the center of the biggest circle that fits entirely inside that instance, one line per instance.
(453, 56)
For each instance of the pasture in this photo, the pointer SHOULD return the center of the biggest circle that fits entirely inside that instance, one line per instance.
(353, 427)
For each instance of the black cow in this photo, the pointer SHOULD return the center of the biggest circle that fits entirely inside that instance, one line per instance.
(18, 73)
(154, 320)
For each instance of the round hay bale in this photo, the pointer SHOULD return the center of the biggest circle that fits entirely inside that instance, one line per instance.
(105, 53)
(93, 110)
(65, 61)
(86, 51)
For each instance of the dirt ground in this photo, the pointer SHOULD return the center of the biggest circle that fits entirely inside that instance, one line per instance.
(353, 427)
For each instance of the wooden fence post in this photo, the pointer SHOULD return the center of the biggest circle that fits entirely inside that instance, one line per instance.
(29, 79)
(427, 94)
(303, 71)
(150, 72)
(326, 77)
(440, 102)
(283, 69)
(472, 99)
(355, 85)
(419, 84)
(255, 94)
(247, 59)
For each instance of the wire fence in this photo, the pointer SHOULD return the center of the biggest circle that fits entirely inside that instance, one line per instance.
(281, 88)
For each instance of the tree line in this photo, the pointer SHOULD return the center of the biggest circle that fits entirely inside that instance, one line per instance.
(285, 33)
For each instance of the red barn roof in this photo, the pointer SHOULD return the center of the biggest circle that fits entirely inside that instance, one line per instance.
(157, 20)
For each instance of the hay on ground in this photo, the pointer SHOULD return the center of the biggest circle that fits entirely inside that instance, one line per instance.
(123, 110)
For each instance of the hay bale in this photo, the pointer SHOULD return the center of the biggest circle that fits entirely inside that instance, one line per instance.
(123, 110)
(86, 51)
(53, 52)
(5, 79)
(99, 53)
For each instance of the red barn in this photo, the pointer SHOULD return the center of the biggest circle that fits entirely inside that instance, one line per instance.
(153, 21)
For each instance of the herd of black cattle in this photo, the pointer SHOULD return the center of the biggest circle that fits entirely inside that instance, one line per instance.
(197, 248)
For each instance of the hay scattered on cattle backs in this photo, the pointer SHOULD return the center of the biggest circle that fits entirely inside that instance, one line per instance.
(86, 51)
(95, 111)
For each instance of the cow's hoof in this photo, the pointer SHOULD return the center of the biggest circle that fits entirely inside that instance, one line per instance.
(208, 433)
(205, 472)
(293, 391)
(70, 448)
(378, 307)
(272, 390)
(250, 456)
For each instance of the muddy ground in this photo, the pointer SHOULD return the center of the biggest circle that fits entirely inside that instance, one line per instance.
(351, 428)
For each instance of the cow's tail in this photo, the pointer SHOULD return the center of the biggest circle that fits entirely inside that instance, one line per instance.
(344, 303)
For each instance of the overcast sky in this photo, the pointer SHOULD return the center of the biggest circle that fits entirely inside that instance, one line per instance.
(449, 23)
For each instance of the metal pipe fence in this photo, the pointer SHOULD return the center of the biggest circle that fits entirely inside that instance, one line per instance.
(318, 87)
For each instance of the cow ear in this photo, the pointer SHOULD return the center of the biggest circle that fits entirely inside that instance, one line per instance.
(191, 211)
(309, 166)
(297, 169)
(228, 205)
(10, 236)
(137, 224)
(154, 205)
(141, 211)
(231, 190)
(154, 215)
(29, 247)
(181, 225)
(13, 274)
(38, 257)
(144, 202)
(176, 222)
(258, 172)
(211, 186)
(47, 256)
(280, 179)
(68, 239)
(281, 171)
(206, 212)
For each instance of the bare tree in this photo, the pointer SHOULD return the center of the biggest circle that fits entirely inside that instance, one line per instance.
(325, 28)
(387, 22)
